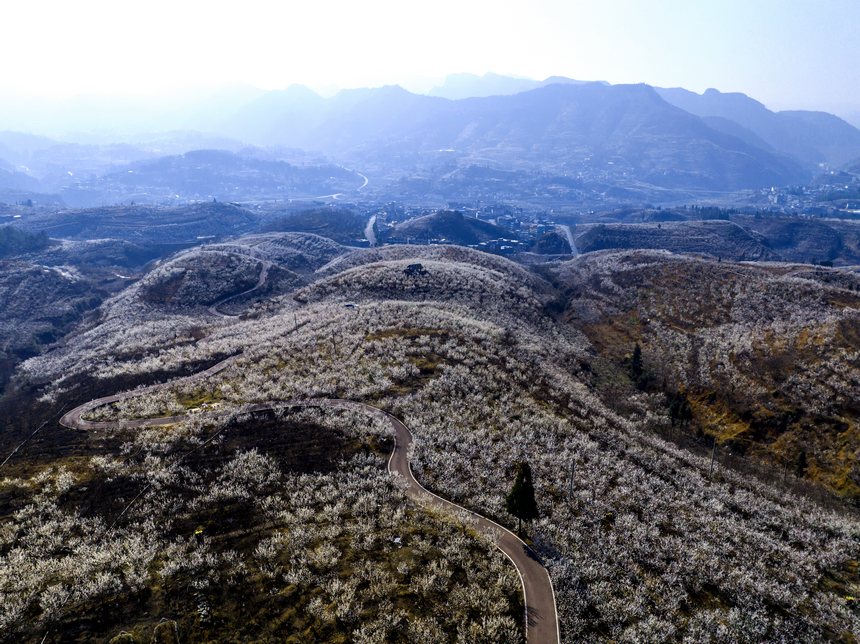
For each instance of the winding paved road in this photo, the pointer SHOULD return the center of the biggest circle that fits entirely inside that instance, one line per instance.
(264, 274)
(366, 180)
(538, 594)
(541, 617)
(74, 418)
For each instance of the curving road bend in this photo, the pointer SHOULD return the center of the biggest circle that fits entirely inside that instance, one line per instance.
(538, 594)
(261, 280)
(541, 617)
(74, 418)
(366, 180)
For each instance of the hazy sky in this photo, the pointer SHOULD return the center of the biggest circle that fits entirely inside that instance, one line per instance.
(786, 53)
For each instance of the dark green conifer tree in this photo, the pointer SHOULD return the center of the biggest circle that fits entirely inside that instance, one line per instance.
(801, 465)
(637, 370)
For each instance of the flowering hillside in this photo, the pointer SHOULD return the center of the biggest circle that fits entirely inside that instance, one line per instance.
(644, 540)
(768, 355)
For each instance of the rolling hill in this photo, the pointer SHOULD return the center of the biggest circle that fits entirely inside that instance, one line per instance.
(186, 224)
(211, 174)
(488, 364)
(448, 226)
(761, 352)
(339, 224)
(716, 238)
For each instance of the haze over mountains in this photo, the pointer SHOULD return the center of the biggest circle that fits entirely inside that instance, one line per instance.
(811, 137)
(304, 341)
(651, 143)
(641, 303)
(457, 86)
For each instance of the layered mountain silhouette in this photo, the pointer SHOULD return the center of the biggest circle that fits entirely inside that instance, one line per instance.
(809, 137)
(607, 139)
(611, 131)
(459, 86)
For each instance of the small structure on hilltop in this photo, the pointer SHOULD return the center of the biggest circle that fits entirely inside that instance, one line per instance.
(414, 270)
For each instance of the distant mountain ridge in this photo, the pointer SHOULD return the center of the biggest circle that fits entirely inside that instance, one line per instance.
(625, 141)
(613, 131)
(460, 86)
(810, 137)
